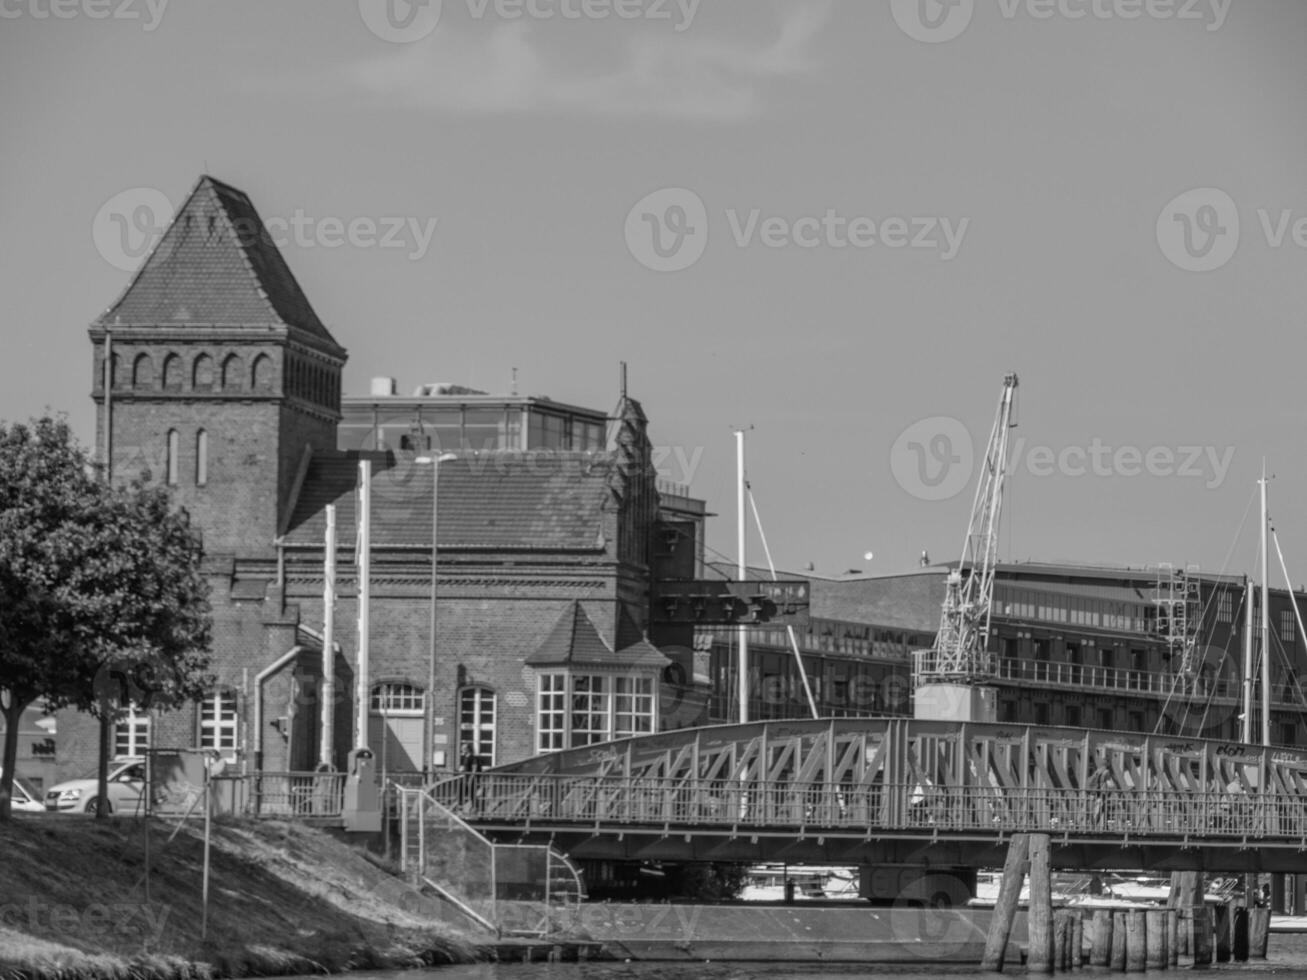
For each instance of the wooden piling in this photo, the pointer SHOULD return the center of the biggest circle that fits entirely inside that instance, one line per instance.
(1040, 918)
(1155, 939)
(1239, 934)
(1259, 932)
(1136, 952)
(1172, 937)
(1202, 935)
(1100, 940)
(1005, 907)
(1061, 941)
(1077, 941)
(1222, 931)
(1118, 942)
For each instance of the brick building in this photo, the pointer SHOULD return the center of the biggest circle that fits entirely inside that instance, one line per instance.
(224, 383)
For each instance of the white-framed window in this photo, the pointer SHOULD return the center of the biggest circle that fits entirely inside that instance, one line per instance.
(551, 716)
(220, 724)
(575, 709)
(590, 707)
(476, 722)
(397, 699)
(1225, 607)
(1287, 626)
(131, 734)
(633, 706)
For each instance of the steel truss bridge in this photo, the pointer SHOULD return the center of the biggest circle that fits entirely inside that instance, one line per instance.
(903, 791)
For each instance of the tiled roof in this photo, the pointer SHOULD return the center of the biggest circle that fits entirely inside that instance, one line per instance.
(216, 265)
(487, 501)
(575, 640)
(910, 602)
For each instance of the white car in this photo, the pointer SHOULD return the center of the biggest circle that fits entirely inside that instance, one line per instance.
(126, 790)
(25, 797)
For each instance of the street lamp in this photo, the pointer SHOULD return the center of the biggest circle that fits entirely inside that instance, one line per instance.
(430, 700)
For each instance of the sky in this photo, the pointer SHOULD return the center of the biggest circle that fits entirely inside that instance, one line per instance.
(835, 225)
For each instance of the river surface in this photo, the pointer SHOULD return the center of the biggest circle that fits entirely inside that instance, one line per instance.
(1287, 958)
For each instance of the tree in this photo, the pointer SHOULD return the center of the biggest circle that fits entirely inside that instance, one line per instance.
(102, 601)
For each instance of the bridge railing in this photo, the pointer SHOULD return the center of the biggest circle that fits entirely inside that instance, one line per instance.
(604, 800)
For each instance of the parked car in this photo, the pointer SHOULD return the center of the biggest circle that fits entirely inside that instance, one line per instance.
(126, 787)
(26, 798)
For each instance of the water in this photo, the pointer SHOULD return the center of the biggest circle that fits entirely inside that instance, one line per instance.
(1287, 959)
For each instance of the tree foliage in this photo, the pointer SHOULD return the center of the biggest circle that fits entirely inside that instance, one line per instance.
(102, 601)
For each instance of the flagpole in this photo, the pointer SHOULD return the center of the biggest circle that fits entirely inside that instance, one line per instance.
(363, 557)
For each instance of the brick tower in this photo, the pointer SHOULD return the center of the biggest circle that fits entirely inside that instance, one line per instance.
(223, 378)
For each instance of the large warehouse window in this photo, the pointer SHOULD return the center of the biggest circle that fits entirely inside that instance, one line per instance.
(575, 709)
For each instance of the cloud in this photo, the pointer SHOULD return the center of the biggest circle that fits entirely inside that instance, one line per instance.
(511, 69)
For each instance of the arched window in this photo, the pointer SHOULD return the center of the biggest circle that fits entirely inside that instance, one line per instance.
(233, 373)
(143, 372)
(201, 458)
(219, 723)
(476, 722)
(202, 373)
(174, 444)
(261, 373)
(172, 373)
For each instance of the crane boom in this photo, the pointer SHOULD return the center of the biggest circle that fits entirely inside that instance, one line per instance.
(961, 654)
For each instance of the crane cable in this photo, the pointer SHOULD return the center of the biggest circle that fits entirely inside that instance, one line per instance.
(794, 642)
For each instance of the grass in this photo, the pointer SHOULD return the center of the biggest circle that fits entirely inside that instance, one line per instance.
(283, 899)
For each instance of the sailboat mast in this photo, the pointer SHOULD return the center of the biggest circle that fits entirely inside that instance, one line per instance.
(743, 572)
(1266, 622)
(1246, 730)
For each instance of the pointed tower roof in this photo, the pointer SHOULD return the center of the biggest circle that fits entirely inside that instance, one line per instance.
(576, 640)
(216, 265)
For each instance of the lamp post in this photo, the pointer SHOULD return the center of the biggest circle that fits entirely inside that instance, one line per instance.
(430, 700)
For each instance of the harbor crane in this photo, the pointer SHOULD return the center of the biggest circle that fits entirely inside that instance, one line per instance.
(953, 680)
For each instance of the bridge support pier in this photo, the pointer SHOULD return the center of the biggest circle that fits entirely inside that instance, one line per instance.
(1077, 941)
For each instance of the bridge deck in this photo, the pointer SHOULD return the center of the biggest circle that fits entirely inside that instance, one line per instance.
(873, 789)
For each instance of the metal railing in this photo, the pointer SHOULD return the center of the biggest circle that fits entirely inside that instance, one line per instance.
(517, 888)
(611, 803)
(1116, 679)
(290, 794)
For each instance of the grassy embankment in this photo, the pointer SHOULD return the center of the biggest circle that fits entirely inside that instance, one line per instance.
(283, 898)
